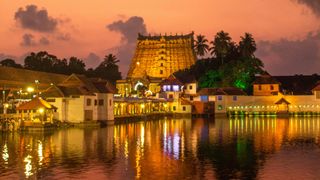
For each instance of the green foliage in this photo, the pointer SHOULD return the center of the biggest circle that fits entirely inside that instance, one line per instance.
(232, 64)
(211, 79)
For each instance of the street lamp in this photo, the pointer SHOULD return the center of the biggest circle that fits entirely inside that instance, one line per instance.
(30, 90)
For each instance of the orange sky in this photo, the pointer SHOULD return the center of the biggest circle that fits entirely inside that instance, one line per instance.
(86, 21)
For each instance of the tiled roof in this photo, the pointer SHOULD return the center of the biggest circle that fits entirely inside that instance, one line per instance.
(265, 79)
(221, 91)
(35, 104)
(298, 84)
(76, 85)
(282, 100)
(317, 87)
(171, 80)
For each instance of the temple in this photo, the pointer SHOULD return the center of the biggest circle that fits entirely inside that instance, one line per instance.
(156, 58)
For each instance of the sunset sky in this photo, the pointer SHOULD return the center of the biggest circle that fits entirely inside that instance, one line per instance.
(287, 31)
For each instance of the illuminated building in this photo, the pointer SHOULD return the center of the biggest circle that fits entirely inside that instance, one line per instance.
(156, 58)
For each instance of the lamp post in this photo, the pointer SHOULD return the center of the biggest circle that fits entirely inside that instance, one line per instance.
(37, 82)
(30, 90)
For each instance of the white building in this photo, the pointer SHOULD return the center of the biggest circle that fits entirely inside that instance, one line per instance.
(79, 99)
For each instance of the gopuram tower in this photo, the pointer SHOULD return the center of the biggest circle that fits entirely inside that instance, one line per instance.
(155, 59)
(160, 56)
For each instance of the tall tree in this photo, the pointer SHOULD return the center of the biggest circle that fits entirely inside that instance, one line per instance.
(108, 69)
(10, 63)
(110, 59)
(221, 45)
(201, 45)
(41, 61)
(247, 45)
(76, 66)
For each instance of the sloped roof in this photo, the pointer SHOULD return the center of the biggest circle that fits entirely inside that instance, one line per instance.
(281, 101)
(317, 87)
(35, 104)
(221, 91)
(76, 85)
(233, 91)
(171, 80)
(187, 79)
(298, 84)
(265, 79)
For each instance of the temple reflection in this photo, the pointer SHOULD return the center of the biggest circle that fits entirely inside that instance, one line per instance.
(184, 148)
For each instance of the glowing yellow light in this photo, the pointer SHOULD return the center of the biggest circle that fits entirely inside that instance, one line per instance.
(30, 89)
(142, 105)
(138, 63)
(6, 105)
(41, 110)
(28, 167)
(165, 105)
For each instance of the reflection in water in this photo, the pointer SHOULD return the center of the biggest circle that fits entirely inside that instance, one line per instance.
(28, 166)
(239, 148)
(5, 155)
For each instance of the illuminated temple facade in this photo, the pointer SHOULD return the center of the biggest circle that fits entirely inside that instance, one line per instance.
(156, 58)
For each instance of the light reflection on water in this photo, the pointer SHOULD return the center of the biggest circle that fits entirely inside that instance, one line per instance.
(245, 148)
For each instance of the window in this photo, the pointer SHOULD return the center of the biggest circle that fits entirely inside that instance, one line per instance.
(259, 87)
(161, 71)
(101, 102)
(88, 102)
(219, 98)
(235, 98)
(318, 94)
(204, 98)
(271, 87)
(175, 88)
(51, 100)
(220, 107)
(190, 87)
(110, 102)
(184, 108)
(174, 108)
(191, 98)
(161, 64)
(170, 96)
(95, 102)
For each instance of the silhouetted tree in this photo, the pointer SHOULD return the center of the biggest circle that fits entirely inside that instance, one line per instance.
(201, 46)
(41, 61)
(10, 63)
(247, 45)
(108, 69)
(221, 45)
(76, 66)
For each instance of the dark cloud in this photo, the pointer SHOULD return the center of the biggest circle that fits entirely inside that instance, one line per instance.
(92, 60)
(129, 29)
(129, 32)
(314, 5)
(28, 40)
(44, 41)
(285, 57)
(33, 18)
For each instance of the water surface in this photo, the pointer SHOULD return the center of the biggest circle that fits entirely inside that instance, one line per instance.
(241, 148)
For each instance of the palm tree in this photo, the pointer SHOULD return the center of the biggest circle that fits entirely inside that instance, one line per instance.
(110, 59)
(201, 47)
(247, 45)
(221, 45)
